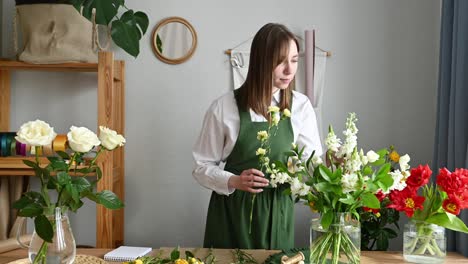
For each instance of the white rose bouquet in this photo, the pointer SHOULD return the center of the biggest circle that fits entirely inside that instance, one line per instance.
(57, 175)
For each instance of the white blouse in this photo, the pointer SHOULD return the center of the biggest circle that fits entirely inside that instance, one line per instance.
(220, 130)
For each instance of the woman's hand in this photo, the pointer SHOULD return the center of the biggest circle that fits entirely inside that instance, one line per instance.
(248, 181)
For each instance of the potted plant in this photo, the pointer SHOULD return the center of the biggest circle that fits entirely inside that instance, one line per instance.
(127, 28)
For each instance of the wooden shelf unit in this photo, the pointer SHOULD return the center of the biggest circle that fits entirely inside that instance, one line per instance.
(111, 113)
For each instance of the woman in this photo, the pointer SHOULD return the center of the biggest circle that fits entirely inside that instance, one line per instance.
(228, 137)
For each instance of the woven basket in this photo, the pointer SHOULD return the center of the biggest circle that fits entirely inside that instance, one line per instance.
(79, 259)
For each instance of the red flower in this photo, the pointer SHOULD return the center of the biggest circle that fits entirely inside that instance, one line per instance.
(452, 183)
(380, 195)
(452, 205)
(406, 200)
(419, 176)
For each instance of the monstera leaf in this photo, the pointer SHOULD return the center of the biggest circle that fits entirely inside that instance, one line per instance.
(127, 29)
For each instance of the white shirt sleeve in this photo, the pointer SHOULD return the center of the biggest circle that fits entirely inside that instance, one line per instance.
(308, 134)
(208, 152)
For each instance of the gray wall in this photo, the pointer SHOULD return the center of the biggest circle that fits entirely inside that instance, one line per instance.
(384, 68)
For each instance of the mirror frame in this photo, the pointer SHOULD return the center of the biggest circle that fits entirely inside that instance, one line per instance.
(189, 54)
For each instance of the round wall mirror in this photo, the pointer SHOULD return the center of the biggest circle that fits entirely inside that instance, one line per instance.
(174, 40)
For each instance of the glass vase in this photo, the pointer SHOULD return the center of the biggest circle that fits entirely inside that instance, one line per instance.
(62, 250)
(339, 243)
(424, 242)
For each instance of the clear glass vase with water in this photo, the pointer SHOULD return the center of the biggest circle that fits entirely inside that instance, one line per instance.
(424, 242)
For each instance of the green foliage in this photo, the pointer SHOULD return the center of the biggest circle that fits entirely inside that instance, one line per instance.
(378, 228)
(126, 30)
(61, 176)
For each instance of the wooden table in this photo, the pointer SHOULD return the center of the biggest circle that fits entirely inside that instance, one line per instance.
(225, 256)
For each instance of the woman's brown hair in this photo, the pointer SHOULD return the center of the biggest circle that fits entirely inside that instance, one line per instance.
(270, 47)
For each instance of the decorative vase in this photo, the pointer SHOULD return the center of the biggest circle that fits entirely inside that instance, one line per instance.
(424, 242)
(62, 250)
(339, 243)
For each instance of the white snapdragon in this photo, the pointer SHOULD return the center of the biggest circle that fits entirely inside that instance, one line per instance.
(273, 109)
(262, 135)
(316, 160)
(351, 138)
(298, 188)
(260, 151)
(349, 182)
(279, 178)
(404, 162)
(354, 163)
(294, 164)
(372, 156)
(110, 139)
(81, 139)
(36, 133)
(349, 145)
(275, 119)
(332, 142)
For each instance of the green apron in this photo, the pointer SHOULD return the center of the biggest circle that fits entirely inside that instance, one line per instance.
(228, 219)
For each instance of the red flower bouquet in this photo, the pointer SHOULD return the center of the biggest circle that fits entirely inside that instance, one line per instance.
(435, 209)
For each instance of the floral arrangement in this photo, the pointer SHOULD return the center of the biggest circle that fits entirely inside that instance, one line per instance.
(439, 204)
(57, 175)
(348, 181)
(175, 258)
(376, 224)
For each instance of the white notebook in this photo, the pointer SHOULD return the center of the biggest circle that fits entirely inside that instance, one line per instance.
(126, 253)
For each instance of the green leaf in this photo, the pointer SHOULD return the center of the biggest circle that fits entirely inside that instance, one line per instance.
(382, 152)
(31, 210)
(109, 200)
(126, 37)
(92, 196)
(63, 178)
(390, 232)
(448, 221)
(81, 184)
(59, 165)
(31, 164)
(370, 200)
(74, 206)
(378, 162)
(142, 21)
(327, 219)
(72, 191)
(22, 202)
(189, 254)
(384, 170)
(367, 170)
(43, 228)
(63, 154)
(105, 10)
(325, 173)
(348, 200)
(175, 254)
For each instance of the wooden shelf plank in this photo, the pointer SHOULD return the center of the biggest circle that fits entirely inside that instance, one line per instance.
(63, 67)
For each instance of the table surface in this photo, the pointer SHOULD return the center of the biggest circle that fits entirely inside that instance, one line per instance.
(225, 255)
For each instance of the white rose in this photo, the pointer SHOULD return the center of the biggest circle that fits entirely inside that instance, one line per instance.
(36, 133)
(81, 139)
(286, 112)
(110, 139)
(372, 156)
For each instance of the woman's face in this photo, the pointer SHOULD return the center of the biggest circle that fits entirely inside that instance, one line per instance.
(284, 73)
